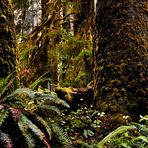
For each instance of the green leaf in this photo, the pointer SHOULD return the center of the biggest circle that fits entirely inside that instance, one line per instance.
(25, 132)
(90, 133)
(3, 115)
(115, 133)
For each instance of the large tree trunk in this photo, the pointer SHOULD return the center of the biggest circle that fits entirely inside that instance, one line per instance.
(7, 39)
(121, 56)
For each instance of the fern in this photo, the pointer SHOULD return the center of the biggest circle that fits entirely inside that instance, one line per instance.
(62, 136)
(44, 124)
(39, 80)
(142, 128)
(139, 138)
(34, 129)
(33, 95)
(3, 85)
(54, 99)
(30, 131)
(49, 108)
(3, 115)
(25, 107)
(134, 135)
(25, 98)
(21, 91)
(7, 142)
(25, 132)
(112, 136)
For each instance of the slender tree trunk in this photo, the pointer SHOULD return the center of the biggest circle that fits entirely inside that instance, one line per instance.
(45, 9)
(84, 14)
(121, 56)
(7, 39)
(49, 62)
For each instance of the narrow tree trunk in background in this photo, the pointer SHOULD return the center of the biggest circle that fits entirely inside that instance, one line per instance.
(7, 39)
(45, 9)
(121, 56)
(65, 26)
(84, 14)
(49, 58)
(33, 13)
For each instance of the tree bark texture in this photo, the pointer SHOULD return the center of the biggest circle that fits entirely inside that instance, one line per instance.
(121, 56)
(84, 14)
(7, 39)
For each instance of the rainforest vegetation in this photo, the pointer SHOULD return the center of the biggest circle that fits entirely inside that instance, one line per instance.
(73, 74)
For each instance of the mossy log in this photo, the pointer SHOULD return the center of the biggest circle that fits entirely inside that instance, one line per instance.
(76, 96)
(121, 56)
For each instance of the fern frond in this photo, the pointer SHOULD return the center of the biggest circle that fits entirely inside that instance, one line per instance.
(61, 102)
(62, 136)
(114, 134)
(3, 115)
(15, 114)
(56, 100)
(4, 84)
(13, 102)
(21, 91)
(142, 128)
(16, 97)
(16, 103)
(38, 81)
(32, 127)
(50, 98)
(35, 129)
(141, 138)
(49, 108)
(5, 139)
(45, 125)
(44, 96)
(30, 141)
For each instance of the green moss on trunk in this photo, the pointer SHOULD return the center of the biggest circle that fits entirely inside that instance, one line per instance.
(120, 56)
(7, 39)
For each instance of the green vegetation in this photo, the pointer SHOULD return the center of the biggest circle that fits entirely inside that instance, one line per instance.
(133, 135)
(29, 115)
(73, 74)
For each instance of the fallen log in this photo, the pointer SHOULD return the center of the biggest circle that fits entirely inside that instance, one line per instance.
(76, 96)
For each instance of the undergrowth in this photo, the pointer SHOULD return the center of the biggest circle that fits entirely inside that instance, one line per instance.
(25, 116)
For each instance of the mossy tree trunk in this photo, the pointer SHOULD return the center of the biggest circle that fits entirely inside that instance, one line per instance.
(84, 14)
(121, 56)
(49, 8)
(7, 39)
(46, 9)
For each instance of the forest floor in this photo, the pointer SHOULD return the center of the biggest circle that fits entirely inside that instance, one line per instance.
(86, 126)
(83, 125)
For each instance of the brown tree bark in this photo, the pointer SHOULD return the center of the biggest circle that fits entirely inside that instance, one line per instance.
(121, 56)
(84, 14)
(7, 39)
